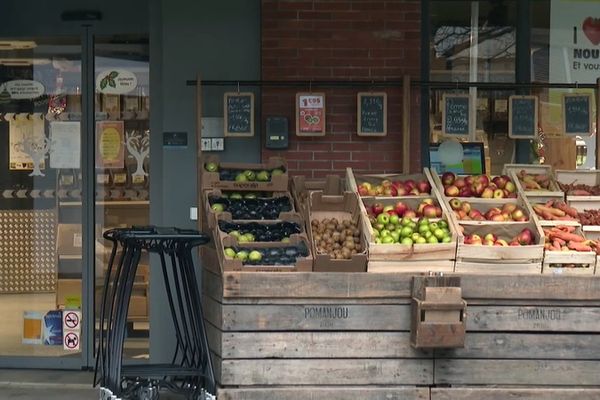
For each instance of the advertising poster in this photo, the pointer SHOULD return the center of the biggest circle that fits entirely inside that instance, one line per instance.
(25, 136)
(110, 140)
(310, 114)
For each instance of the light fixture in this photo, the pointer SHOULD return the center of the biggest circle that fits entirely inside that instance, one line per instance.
(17, 45)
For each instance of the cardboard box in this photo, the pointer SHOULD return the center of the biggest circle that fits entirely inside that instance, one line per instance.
(211, 180)
(343, 208)
(67, 292)
(69, 239)
(138, 307)
(301, 188)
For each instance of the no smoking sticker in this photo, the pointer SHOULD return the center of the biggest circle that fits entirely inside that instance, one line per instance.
(71, 320)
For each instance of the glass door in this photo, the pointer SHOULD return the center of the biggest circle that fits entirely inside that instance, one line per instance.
(41, 271)
(122, 137)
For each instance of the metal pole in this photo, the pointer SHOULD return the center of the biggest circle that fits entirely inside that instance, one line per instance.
(473, 69)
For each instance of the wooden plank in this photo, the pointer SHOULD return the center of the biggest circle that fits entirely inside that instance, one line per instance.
(513, 393)
(327, 372)
(213, 311)
(315, 285)
(539, 318)
(318, 345)
(487, 268)
(324, 392)
(212, 284)
(411, 267)
(306, 317)
(526, 346)
(517, 372)
(215, 339)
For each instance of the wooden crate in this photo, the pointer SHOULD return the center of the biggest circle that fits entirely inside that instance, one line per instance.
(554, 192)
(480, 267)
(301, 188)
(353, 181)
(586, 177)
(278, 336)
(484, 206)
(434, 177)
(279, 183)
(587, 259)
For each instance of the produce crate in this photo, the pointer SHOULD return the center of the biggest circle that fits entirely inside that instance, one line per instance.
(230, 264)
(586, 259)
(438, 257)
(584, 177)
(278, 183)
(553, 192)
(482, 259)
(288, 217)
(301, 188)
(434, 177)
(343, 208)
(211, 214)
(534, 202)
(484, 206)
(591, 231)
(354, 180)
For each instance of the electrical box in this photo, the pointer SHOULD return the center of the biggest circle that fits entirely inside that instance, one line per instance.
(277, 133)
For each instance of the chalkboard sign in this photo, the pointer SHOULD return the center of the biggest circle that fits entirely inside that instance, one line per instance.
(522, 117)
(239, 114)
(455, 115)
(577, 112)
(372, 114)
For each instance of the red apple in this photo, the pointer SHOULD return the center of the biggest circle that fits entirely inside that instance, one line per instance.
(510, 187)
(401, 191)
(410, 214)
(525, 237)
(414, 192)
(498, 194)
(424, 187)
(517, 214)
(386, 183)
(429, 211)
(410, 185)
(466, 207)
(448, 178)
(498, 218)
(363, 191)
(478, 188)
(466, 192)
(438, 211)
(506, 216)
(469, 180)
(390, 191)
(501, 242)
(372, 192)
(451, 191)
(401, 208)
(460, 183)
(377, 208)
(514, 243)
(428, 201)
(455, 204)
(387, 209)
(379, 189)
(509, 207)
(512, 195)
(484, 179)
(475, 213)
(461, 214)
(499, 181)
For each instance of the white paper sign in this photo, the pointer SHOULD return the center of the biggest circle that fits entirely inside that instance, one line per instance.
(24, 131)
(116, 81)
(66, 144)
(23, 89)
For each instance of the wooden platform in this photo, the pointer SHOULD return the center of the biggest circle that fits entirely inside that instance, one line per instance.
(290, 336)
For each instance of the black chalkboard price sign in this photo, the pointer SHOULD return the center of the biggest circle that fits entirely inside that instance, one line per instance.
(372, 114)
(522, 117)
(455, 115)
(238, 114)
(577, 114)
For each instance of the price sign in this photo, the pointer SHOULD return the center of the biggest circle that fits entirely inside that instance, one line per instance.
(577, 111)
(522, 117)
(455, 115)
(310, 114)
(372, 114)
(239, 114)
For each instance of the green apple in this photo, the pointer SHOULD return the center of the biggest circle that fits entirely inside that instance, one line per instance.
(211, 167)
(250, 196)
(433, 226)
(387, 240)
(395, 235)
(235, 234)
(447, 239)
(383, 218)
(285, 240)
(242, 255)
(432, 239)
(263, 176)
(241, 177)
(424, 221)
(413, 225)
(443, 224)
(415, 236)
(423, 229)
(439, 233)
(384, 233)
(378, 240)
(394, 219)
(406, 232)
(250, 175)
(276, 172)
(235, 196)
(407, 241)
(427, 235)
(255, 255)
(406, 221)
(421, 240)
(249, 237)
(229, 252)
(217, 207)
(375, 232)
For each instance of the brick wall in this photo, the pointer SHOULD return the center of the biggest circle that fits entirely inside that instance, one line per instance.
(341, 39)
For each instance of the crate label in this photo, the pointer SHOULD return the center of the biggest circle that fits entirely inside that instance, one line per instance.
(327, 315)
(540, 315)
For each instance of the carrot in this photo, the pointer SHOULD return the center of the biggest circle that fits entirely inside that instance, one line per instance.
(550, 210)
(565, 228)
(579, 247)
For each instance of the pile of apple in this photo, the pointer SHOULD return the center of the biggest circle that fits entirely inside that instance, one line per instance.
(391, 229)
(525, 238)
(226, 174)
(509, 212)
(478, 186)
(427, 208)
(395, 188)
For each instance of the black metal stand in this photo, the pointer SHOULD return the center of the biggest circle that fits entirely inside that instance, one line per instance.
(190, 372)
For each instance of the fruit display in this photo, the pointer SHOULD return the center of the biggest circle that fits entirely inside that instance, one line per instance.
(391, 229)
(565, 238)
(402, 209)
(285, 255)
(482, 186)
(395, 188)
(340, 239)
(509, 212)
(589, 217)
(538, 182)
(251, 209)
(259, 232)
(525, 238)
(271, 175)
(556, 210)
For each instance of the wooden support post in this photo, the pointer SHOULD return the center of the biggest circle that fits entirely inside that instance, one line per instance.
(406, 125)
